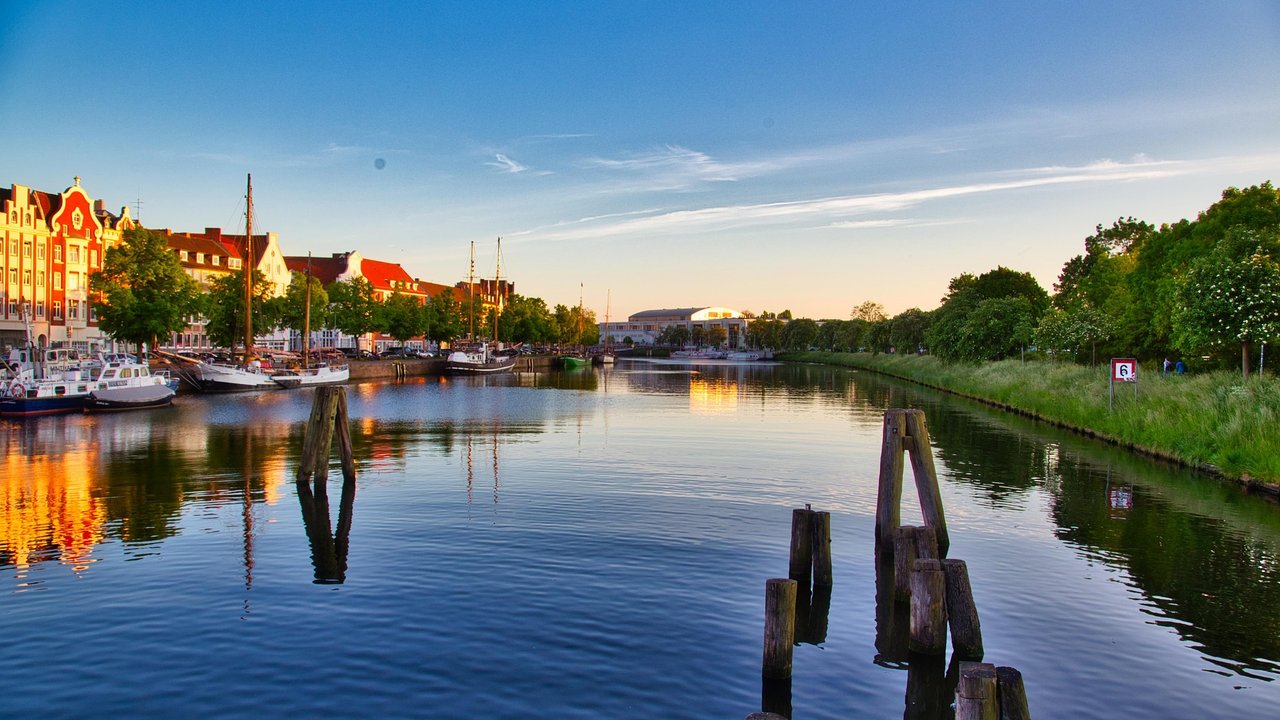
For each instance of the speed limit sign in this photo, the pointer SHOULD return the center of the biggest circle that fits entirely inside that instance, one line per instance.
(1124, 370)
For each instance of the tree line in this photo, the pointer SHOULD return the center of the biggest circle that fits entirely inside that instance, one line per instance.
(143, 295)
(1207, 290)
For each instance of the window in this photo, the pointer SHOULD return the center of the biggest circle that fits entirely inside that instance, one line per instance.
(57, 253)
(234, 263)
(93, 258)
(26, 278)
(183, 256)
(26, 249)
(216, 260)
(73, 309)
(57, 281)
(57, 309)
(40, 280)
(40, 309)
(199, 258)
(73, 254)
(73, 281)
(40, 251)
(13, 276)
(13, 307)
(13, 248)
(93, 313)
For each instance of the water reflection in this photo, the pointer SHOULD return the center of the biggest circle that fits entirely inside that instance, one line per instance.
(328, 547)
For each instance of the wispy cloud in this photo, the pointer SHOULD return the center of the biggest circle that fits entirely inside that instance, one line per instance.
(506, 164)
(673, 167)
(839, 209)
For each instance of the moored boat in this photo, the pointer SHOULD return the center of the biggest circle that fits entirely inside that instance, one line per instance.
(128, 385)
(573, 362)
(311, 377)
(462, 362)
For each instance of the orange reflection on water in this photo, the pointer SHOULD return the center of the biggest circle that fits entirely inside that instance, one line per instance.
(49, 508)
(712, 397)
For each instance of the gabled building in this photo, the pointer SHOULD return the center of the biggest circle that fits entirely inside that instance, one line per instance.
(51, 244)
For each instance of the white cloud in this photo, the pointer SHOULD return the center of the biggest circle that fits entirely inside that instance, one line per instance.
(506, 164)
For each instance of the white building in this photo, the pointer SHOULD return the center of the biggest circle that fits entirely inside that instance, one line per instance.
(644, 327)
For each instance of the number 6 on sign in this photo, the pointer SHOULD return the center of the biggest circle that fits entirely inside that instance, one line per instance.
(1124, 370)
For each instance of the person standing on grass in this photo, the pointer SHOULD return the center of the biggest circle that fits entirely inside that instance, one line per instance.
(1180, 368)
(1168, 365)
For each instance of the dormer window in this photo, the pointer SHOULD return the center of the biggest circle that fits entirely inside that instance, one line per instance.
(183, 256)
(199, 258)
(216, 260)
(235, 263)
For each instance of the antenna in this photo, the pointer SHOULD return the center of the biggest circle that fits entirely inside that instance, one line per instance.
(137, 208)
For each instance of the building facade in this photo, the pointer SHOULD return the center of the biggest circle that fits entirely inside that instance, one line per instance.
(643, 328)
(50, 243)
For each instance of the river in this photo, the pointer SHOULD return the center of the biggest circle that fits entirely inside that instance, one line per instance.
(595, 545)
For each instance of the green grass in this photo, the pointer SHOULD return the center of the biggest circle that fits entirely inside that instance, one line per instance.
(1214, 421)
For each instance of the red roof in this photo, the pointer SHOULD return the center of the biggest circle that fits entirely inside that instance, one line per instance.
(324, 269)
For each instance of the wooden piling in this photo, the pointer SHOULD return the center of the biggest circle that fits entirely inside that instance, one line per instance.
(328, 413)
(928, 608)
(904, 560)
(779, 627)
(821, 545)
(926, 477)
(345, 450)
(889, 499)
(976, 694)
(962, 611)
(801, 544)
(1012, 694)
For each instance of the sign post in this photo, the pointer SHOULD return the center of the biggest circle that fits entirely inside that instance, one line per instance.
(1124, 370)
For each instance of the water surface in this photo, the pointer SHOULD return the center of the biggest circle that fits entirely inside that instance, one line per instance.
(595, 544)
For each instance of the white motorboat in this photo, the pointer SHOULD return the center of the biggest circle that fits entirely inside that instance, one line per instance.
(310, 377)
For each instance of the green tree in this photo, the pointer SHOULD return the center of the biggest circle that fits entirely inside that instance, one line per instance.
(799, 334)
(223, 308)
(716, 336)
(402, 317)
(1075, 332)
(353, 306)
(443, 314)
(698, 336)
(1226, 302)
(292, 306)
(526, 319)
(142, 292)
(868, 311)
(765, 332)
(907, 328)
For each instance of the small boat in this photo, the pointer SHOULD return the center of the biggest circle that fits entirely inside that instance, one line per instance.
(573, 362)
(129, 385)
(477, 361)
(310, 377)
(28, 396)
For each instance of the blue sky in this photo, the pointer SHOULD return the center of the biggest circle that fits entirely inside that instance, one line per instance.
(770, 155)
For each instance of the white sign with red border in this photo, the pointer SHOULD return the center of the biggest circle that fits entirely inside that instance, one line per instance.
(1124, 370)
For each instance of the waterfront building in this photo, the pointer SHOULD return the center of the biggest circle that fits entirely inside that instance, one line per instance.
(643, 328)
(50, 243)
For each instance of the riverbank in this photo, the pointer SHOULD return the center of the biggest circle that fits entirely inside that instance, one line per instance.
(1215, 422)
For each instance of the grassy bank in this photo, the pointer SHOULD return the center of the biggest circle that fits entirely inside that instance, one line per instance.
(1214, 421)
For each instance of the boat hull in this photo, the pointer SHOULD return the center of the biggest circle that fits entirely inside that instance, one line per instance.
(313, 377)
(475, 366)
(572, 362)
(129, 398)
(34, 407)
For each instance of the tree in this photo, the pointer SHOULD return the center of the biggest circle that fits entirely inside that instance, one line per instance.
(869, 311)
(698, 336)
(716, 336)
(223, 308)
(142, 292)
(526, 319)
(1076, 331)
(292, 307)
(402, 317)
(907, 328)
(765, 332)
(353, 306)
(956, 333)
(443, 315)
(799, 334)
(1224, 301)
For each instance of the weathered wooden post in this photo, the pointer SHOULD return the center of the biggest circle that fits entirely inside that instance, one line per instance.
(927, 478)
(905, 430)
(328, 413)
(976, 694)
(889, 498)
(1012, 694)
(821, 531)
(779, 627)
(910, 543)
(962, 612)
(928, 608)
(801, 544)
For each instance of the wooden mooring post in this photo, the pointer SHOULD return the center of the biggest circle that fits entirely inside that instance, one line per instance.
(976, 694)
(962, 612)
(928, 608)
(779, 627)
(810, 559)
(328, 414)
(906, 431)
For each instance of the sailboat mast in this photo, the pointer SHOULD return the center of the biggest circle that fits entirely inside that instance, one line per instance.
(579, 314)
(608, 300)
(248, 271)
(306, 320)
(471, 295)
(497, 288)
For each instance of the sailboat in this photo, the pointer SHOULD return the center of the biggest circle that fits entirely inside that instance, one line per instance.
(224, 378)
(579, 359)
(606, 356)
(307, 376)
(480, 359)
